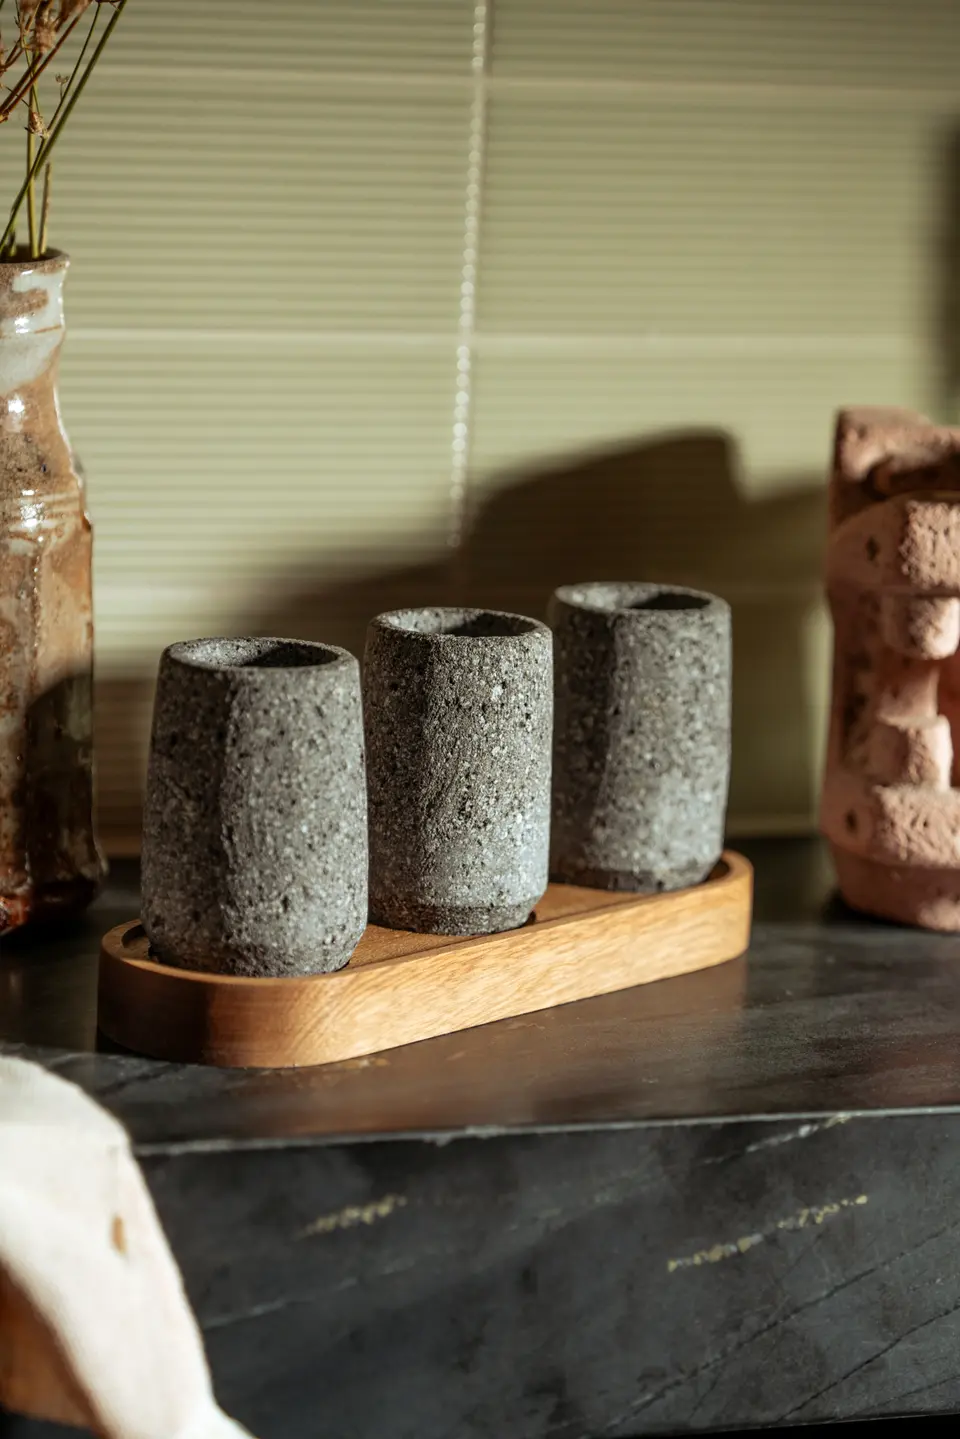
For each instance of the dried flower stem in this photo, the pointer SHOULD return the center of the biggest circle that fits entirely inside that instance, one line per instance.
(29, 81)
(31, 197)
(65, 92)
(66, 107)
(45, 207)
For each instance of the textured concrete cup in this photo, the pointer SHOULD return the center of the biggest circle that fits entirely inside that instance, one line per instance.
(641, 760)
(458, 707)
(255, 826)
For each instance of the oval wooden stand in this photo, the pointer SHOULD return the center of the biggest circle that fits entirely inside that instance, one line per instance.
(400, 987)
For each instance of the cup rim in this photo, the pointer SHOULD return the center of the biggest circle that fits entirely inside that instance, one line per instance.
(637, 599)
(200, 654)
(466, 623)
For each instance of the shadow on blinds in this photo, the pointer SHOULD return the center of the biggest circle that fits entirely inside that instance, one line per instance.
(668, 509)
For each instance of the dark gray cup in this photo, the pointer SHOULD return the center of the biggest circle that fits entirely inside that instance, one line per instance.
(458, 709)
(255, 825)
(642, 735)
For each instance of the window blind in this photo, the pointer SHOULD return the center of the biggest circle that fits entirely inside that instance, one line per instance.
(397, 300)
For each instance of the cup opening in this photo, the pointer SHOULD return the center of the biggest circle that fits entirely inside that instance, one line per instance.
(255, 654)
(472, 624)
(671, 600)
(611, 597)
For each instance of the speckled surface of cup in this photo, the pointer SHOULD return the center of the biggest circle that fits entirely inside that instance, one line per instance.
(642, 735)
(255, 824)
(458, 710)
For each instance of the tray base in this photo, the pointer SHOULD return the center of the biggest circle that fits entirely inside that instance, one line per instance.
(400, 987)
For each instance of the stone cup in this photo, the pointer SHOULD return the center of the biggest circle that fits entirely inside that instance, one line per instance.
(255, 825)
(641, 760)
(458, 708)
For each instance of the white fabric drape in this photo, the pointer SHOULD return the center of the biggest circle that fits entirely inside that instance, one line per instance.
(94, 1321)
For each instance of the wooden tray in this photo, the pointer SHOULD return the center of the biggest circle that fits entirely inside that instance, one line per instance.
(400, 987)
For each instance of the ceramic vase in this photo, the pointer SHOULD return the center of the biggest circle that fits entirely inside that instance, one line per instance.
(49, 861)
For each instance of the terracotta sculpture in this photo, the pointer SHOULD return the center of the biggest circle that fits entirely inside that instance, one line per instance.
(891, 808)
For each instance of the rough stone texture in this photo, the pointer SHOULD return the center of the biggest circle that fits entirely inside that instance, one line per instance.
(893, 580)
(918, 753)
(49, 861)
(255, 840)
(925, 895)
(458, 709)
(925, 628)
(642, 735)
(882, 451)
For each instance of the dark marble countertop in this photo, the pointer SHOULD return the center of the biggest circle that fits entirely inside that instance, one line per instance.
(827, 1011)
(725, 1200)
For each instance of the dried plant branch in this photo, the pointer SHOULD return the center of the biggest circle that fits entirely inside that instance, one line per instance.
(67, 85)
(31, 198)
(14, 55)
(45, 207)
(70, 10)
(71, 99)
(43, 30)
(38, 66)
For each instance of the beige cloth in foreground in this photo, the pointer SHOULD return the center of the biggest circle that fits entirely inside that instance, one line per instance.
(94, 1322)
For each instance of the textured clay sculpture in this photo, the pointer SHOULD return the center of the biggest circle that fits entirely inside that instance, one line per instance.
(891, 809)
(255, 824)
(458, 707)
(642, 735)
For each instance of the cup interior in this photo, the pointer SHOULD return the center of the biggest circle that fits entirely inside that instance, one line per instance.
(670, 600)
(255, 654)
(476, 624)
(619, 598)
